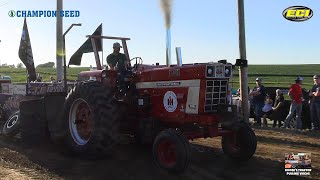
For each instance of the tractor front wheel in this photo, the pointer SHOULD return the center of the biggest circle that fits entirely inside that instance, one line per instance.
(171, 151)
(241, 144)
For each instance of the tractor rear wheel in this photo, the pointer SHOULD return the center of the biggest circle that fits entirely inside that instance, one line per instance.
(12, 125)
(171, 151)
(92, 119)
(241, 144)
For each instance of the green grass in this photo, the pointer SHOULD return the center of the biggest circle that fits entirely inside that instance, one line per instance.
(272, 75)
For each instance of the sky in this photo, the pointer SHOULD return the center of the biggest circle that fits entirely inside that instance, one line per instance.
(206, 30)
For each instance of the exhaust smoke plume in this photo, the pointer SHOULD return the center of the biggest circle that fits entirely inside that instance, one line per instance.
(166, 6)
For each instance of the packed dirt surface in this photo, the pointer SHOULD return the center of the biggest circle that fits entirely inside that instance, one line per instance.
(131, 161)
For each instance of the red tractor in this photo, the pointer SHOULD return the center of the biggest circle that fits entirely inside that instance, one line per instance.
(163, 105)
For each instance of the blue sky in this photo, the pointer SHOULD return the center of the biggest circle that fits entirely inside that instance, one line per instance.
(207, 30)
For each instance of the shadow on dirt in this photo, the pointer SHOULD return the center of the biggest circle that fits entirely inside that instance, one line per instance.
(131, 161)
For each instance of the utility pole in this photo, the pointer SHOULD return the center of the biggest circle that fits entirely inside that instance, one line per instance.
(59, 41)
(243, 62)
(0, 62)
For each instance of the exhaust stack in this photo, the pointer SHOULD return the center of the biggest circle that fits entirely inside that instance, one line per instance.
(168, 48)
(166, 6)
(179, 57)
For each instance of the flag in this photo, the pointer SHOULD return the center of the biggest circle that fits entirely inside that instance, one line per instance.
(25, 52)
(86, 47)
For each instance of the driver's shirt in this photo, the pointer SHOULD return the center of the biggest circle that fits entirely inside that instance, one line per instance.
(113, 59)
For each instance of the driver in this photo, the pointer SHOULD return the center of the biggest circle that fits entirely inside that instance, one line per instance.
(117, 60)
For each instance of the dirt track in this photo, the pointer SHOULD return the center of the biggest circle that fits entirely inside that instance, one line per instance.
(135, 162)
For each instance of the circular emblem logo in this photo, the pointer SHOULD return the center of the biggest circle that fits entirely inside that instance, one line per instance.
(297, 13)
(170, 101)
(11, 13)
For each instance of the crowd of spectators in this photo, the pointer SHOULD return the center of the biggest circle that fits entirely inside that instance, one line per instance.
(265, 107)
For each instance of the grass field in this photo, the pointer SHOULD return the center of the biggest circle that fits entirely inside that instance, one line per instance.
(279, 75)
(272, 75)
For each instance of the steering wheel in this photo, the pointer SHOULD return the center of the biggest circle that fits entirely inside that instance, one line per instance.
(138, 61)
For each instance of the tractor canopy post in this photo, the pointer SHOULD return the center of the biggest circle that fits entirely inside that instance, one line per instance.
(96, 54)
(125, 49)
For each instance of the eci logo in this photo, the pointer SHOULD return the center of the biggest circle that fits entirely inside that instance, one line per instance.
(297, 13)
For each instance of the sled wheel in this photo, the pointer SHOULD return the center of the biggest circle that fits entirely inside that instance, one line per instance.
(12, 125)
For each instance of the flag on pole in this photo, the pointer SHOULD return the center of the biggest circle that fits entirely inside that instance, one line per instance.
(25, 52)
(86, 47)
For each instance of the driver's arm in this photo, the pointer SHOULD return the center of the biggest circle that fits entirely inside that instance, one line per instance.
(109, 61)
(126, 61)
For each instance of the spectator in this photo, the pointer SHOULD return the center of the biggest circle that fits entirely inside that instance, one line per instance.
(39, 78)
(259, 94)
(295, 94)
(267, 110)
(315, 103)
(52, 79)
(239, 91)
(278, 108)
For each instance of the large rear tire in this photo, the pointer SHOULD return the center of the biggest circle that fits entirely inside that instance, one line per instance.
(12, 125)
(92, 118)
(171, 151)
(241, 144)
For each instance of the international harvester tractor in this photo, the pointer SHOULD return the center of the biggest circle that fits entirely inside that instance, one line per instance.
(163, 105)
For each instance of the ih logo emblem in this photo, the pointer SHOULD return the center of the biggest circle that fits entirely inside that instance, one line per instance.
(297, 13)
(170, 101)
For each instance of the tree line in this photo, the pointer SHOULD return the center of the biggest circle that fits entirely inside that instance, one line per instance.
(21, 65)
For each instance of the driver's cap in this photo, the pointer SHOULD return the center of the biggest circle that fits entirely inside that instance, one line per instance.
(116, 45)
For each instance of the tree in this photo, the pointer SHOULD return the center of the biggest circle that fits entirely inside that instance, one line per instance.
(19, 65)
(46, 65)
(8, 65)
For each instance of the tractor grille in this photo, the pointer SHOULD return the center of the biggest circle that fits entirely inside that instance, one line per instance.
(216, 93)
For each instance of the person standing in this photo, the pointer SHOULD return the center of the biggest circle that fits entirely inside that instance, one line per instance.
(278, 108)
(315, 103)
(295, 94)
(259, 94)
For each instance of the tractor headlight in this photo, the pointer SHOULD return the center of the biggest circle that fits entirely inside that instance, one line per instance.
(210, 71)
(104, 74)
(227, 71)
